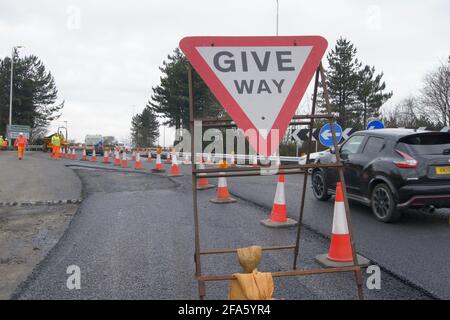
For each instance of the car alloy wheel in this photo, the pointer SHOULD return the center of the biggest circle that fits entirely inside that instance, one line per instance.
(319, 187)
(384, 204)
(381, 203)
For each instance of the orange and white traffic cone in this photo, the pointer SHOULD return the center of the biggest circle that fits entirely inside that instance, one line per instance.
(133, 155)
(117, 158)
(138, 164)
(74, 155)
(278, 217)
(340, 247)
(340, 253)
(174, 170)
(84, 156)
(149, 156)
(124, 159)
(62, 153)
(208, 159)
(106, 156)
(187, 158)
(223, 195)
(168, 160)
(158, 165)
(94, 155)
(232, 161)
(202, 182)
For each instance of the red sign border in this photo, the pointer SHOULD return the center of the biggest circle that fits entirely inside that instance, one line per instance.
(319, 44)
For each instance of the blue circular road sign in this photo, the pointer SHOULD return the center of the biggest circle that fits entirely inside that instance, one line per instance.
(325, 136)
(375, 124)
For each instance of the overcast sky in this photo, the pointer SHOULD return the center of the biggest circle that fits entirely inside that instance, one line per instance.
(105, 55)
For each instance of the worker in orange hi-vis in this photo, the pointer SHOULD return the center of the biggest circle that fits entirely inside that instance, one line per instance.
(20, 143)
(56, 145)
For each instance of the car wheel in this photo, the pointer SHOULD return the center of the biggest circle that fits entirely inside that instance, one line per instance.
(319, 186)
(384, 204)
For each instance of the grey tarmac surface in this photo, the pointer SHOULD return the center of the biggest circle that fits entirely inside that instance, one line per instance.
(133, 239)
(415, 249)
(36, 178)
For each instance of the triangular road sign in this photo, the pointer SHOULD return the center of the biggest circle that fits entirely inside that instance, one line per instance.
(260, 81)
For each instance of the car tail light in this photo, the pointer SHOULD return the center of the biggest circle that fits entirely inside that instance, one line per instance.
(407, 162)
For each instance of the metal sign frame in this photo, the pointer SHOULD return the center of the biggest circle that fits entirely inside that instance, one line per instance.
(282, 169)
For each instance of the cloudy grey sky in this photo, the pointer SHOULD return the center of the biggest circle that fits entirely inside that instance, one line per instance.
(105, 55)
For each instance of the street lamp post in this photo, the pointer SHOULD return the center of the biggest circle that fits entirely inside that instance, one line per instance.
(11, 89)
(277, 17)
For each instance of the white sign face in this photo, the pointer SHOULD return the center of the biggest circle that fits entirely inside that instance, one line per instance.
(258, 78)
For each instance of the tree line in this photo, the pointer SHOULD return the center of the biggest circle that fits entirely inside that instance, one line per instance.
(357, 93)
(34, 95)
(356, 90)
(430, 107)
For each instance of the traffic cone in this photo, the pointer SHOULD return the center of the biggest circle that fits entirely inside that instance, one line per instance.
(168, 160)
(174, 170)
(278, 217)
(74, 155)
(124, 159)
(117, 158)
(340, 253)
(94, 156)
(138, 164)
(133, 155)
(340, 247)
(84, 156)
(222, 196)
(187, 158)
(149, 157)
(158, 165)
(63, 153)
(208, 159)
(202, 182)
(232, 161)
(106, 156)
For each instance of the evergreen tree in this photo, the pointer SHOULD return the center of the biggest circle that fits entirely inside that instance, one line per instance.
(170, 99)
(144, 128)
(371, 96)
(342, 81)
(34, 94)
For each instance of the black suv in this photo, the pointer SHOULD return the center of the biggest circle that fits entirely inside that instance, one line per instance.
(390, 170)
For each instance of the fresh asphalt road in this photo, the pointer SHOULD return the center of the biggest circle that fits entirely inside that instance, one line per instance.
(415, 249)
(133, 238)
(33, 179)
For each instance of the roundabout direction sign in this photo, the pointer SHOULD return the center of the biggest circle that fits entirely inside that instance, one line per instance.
(375, 124)
(326, 137)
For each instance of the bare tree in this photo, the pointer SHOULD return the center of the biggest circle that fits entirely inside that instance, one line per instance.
(407, 114)
(435, 95)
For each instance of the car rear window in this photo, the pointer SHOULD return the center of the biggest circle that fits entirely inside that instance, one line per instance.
(428, 143)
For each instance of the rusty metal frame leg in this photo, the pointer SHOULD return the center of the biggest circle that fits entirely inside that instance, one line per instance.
(358, 272)
(198, 263)
(198, 270)
(305, 177)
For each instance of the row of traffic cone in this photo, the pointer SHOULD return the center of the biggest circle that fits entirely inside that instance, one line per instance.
(340, 252)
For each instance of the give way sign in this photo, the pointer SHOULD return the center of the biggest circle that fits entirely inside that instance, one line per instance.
(260, 81)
